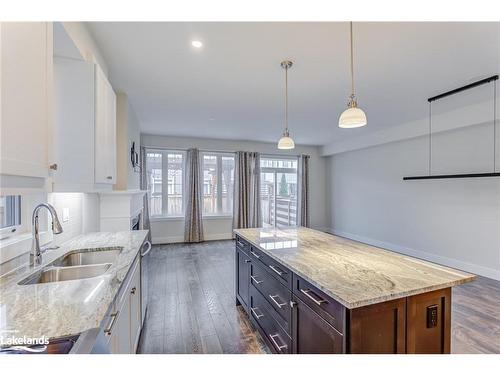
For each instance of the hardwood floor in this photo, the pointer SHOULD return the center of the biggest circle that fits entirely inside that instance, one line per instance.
(192, 306)
(192, 302)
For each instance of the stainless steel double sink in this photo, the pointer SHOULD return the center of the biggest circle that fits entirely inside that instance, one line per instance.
(75, 265)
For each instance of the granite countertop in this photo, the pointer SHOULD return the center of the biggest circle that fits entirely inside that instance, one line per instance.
(352, 273)
(71, 307)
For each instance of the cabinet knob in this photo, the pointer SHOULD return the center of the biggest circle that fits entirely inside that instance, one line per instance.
(247, 260)
(53, 167)
(133, 290)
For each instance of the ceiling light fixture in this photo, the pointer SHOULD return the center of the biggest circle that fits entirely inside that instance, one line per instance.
(286, 143)
(352, 117)
(196, 44)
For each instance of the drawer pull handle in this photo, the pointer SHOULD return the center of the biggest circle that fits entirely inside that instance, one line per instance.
(255, 313)
(247, 260)
(255, 254)
(280, 305)
(109, 328)
(278, 346)
(277, 270)
(241, 244)
(309, 292)
(134, 289)
(256, 281)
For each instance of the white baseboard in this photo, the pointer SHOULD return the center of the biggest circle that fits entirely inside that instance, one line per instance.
(180, 239)
(445, 261)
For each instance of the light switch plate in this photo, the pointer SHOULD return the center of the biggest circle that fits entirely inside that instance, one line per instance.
(65, 214)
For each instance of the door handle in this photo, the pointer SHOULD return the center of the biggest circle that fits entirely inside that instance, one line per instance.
(109, 328)
(278, 346)
(255, 254)
(308, 292)
(148, 250)
(254, 312)
(276, 269)
(256, 281)
(273, 298)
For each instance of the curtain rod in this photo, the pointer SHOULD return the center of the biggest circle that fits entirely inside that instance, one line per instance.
(214, 151)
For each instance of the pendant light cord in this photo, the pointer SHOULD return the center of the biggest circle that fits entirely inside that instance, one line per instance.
(494, 126)
(286, 101)
(352, 66)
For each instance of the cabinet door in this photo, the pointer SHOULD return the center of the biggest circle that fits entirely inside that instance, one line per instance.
(73, 131)
(135, 308)
(312, 334)
(429, 322)
(26, 81)
(379, 329)
(105, 129)
(111, 132)
(120, 335)
(243, 276)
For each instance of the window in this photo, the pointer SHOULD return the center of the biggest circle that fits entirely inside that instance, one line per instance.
(278, 191)
(218, 181)
(165, 171)
(10, 213)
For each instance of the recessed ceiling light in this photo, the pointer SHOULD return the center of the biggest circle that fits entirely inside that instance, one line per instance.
(196, 44)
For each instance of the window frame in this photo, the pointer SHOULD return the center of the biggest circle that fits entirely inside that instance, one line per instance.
(275, 171)
(164, 182)
(219, 155)
(17, 209)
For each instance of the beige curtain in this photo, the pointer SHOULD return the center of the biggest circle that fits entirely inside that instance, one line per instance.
(246, 204)
(193, 226)
(304, 190)
(144, 186)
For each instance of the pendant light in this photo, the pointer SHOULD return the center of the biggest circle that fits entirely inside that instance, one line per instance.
(286, 143)
(352, 117)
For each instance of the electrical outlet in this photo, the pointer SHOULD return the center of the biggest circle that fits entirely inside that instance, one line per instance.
(432, 316)
(65, 214)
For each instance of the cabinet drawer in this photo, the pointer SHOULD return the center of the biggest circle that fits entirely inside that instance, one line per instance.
(264, 316)
(277, 269)
(242, 244)
(274, 292)
(332, 311)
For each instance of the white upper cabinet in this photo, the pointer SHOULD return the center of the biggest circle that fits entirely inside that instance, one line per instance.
(25, 98)
(84, 127)
(105, 130)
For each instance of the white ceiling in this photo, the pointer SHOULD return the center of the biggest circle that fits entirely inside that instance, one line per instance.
(232, 88)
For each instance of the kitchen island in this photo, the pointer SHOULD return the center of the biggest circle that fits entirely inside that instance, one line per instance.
(307, 291)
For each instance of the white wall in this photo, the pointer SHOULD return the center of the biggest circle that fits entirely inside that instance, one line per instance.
(127, 131)
(172, 230)
(454, 222)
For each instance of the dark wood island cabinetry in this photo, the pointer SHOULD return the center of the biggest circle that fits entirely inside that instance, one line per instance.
(297, 314)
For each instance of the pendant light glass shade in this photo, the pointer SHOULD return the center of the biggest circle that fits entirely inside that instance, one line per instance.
(285, 142)
(352, 117)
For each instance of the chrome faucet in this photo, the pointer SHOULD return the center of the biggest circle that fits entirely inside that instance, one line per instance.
(36, 252)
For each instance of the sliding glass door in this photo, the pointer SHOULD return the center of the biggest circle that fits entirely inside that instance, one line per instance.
(278, 190)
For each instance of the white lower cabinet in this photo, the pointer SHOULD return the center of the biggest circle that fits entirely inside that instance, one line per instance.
(125, 325)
